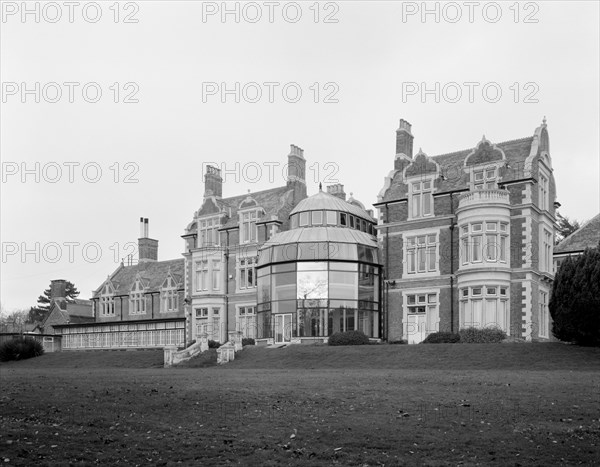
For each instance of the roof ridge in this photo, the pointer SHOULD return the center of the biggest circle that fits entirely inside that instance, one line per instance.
(495, 144)
(251, 194)
(578, 230)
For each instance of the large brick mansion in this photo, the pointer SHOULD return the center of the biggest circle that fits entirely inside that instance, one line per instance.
(461, 239)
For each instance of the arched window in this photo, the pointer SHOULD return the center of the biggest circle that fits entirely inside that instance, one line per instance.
(137, 301)
(169, 297)
(107, 300)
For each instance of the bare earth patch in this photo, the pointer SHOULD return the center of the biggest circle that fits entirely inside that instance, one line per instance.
(370, 405)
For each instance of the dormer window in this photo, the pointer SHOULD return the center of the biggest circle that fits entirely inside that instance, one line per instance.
(485, 179)
(169, 298)
(421, 198)
(107, 301)
(208, 233)
(137, 301)
(248, 230)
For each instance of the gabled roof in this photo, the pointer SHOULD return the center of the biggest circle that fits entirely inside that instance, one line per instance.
(273, 201)
(587, 236)
(452, 164)
(153, 272)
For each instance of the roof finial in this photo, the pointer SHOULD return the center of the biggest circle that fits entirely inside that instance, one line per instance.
(544, 120)
(320, 186)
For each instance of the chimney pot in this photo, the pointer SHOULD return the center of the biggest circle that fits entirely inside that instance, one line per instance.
(404, 139)
(213, 183)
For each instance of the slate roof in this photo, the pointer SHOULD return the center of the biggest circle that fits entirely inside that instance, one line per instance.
(275, 202)
(323, 200)
(587, 236)
(451, 165)
(153, 274)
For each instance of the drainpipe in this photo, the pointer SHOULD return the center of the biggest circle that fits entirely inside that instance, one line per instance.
(452, 224)
(226, 311)
(385, 323)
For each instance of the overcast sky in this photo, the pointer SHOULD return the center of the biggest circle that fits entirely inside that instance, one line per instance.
(369, 60)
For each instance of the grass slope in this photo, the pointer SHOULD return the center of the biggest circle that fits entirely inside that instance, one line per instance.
(368, 406)
(432, 356)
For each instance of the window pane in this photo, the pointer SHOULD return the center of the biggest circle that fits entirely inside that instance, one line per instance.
(342, 218)
(312, 284)
(476, 248)
(427, 204)
(317, 217)
(303, 219)
(343, 285)
(416, 206)
(431, 258)
(332, 217)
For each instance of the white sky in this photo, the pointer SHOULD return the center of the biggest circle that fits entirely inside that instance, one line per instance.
(369, 53)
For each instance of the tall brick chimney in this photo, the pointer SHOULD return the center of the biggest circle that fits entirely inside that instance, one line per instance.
(404, 139)
(296, 165)
(58, 292)
(213, 183)
(147, 247)
(337, 190)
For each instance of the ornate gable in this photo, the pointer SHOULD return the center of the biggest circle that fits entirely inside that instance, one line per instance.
(421, 165)
(484, 152)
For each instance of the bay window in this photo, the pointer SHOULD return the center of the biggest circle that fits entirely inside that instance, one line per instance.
(484, 306)
(483, 241)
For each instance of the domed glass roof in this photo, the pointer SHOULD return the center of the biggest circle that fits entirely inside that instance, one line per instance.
(325, 201)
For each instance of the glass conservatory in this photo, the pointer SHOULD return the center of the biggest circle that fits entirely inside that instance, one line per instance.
(321, 278)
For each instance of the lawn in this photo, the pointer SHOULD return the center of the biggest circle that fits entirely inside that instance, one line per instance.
(503, 404)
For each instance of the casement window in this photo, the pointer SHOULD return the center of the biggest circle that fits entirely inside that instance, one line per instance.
(246, 321)
(107, 301)
(484, 241)
(421, 198)
(543, 317)
(137, 301)
(543, 192)
(169, 297)
(421, 253)
(216, 274)
(317, 217)
(247, 273)
(546, 251)
(485, 179)
(248, 230)
(208, 233)
(484, 306)
(201, 275)
(421, 303)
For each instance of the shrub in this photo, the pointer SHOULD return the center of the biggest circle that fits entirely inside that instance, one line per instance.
(481, 336)
(213, 344)
(442, 338)
(401, 341)
(575, 299)
(349, 338)
(248, 341)
(20, 349)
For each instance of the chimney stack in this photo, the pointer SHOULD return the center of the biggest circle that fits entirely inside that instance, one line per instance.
(147, 247)
(296, 165)
(404, 139)
(213, 183)
(337, 190)
(58, 292)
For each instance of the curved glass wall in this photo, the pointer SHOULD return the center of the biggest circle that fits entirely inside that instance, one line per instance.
(310, 251)
(318, 298)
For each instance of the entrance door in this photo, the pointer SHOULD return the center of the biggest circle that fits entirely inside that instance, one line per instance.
(283, 328)
(417, 327)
